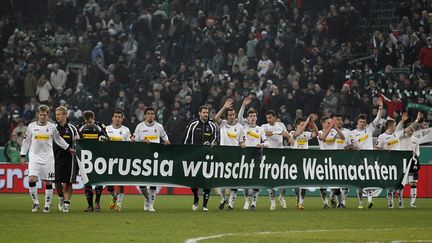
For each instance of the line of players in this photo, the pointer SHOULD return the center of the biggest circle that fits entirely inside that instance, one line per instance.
(233, 131)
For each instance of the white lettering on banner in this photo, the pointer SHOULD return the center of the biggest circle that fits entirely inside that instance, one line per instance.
(321, 170)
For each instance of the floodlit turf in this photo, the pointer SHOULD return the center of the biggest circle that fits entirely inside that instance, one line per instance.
(174, 221)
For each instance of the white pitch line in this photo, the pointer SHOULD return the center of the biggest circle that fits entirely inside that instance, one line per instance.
(202, 238)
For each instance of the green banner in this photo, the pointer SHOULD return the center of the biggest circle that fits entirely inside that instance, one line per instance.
(424, 108)
(129, 163)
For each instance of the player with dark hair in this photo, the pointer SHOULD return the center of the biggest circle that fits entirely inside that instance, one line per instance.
(150, 131)
(117, 132)
(93, 130)
(201, 131)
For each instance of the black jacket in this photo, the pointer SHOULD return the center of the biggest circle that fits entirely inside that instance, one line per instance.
(199, 132)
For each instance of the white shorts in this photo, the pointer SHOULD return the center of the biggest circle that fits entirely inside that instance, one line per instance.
(43, 171)
(412, 178)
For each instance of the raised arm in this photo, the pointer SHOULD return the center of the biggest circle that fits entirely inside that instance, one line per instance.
(300, 129)
(228, 104)
(246, 102)
(377, 119)
(314, 126)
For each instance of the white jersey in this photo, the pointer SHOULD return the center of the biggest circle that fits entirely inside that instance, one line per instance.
(253, 135)
(302, 140)
(363, 139)
(410, 143)
(342, 143)
(231, 135)
(275, 140)
(118, 134)
(39, 142)
(154, 133)
(329, 142)
(389, 141)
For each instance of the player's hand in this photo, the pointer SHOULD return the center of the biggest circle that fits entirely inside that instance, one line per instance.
(419, 116)
(132, 138)
(260, 145)
(146, 141)
(313, 117)
(23, 161)
(242, 145)
(247, 100)
(167, 142)
(228, 103)
(405, 116)
(285, 134)
(72, 151)
(268, 133)
(380, 102)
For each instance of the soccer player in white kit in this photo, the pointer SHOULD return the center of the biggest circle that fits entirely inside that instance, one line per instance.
(254, 137)
(390, 140)
(231, 134)
(361, 138)
(275, 132)
(117, 132)
(341, 144)
(300, 140)
(150, 131)
(327, 140)
(39, 143)
(411, 143)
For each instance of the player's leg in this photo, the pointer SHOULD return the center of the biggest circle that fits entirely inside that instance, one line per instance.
(223, 198)
(206, 196)
(47, 175)
(400, 198)
(369, 194)
(113, 200)
(344, 195)
(58, 184)
(247, 195)
(120, 197)
(412, 178)
(48, 195)
(98, 191)
(390, 196)
(89, 198)
(33, 178)
(67, 196)
(282, 197)
(232, 198)
(145, 194)
(152, 197)
(323, 193)
(272, 195)
(195, 198)
(360, 197)
(254, 199)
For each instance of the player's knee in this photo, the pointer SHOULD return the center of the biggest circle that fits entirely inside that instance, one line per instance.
(33, 179)
(48, 186)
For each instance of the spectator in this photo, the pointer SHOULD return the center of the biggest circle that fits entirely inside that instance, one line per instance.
(43, 89)
(12, 150)
(58, 77)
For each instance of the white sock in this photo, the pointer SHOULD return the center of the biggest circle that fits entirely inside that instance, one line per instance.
(301, 197)
(360, 196)
(282, 193)
(390, 195)
(152, 196)
(232, 198)
(272, 194)
(369, 196)
(120, 198)
(413, 195)
(34, 194)
(400, 196)
(255, 197)
(343, 196)
(48, 197)
(223, 194)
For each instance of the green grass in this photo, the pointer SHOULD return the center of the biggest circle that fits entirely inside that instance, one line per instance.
(175, 222)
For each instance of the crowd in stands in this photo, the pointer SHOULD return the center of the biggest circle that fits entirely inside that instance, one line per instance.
(295, 57)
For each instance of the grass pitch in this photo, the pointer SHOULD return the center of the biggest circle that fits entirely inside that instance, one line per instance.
(174, 221)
